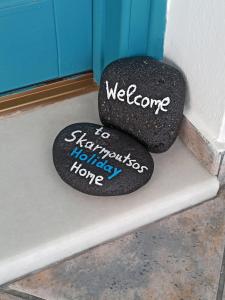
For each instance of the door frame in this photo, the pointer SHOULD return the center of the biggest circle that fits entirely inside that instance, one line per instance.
(127, 28)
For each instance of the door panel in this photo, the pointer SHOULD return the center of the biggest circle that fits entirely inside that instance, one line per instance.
(42, 40)
(74, 35)
(28, 52)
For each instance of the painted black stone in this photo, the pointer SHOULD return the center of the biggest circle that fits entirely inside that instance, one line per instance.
(101, 161)
(154, 123)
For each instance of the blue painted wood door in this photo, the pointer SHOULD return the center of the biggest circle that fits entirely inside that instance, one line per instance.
(42, 40)
(74, 35)
(124, 28)
(47, 39)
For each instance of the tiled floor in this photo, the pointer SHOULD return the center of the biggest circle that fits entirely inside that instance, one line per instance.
(177, 258)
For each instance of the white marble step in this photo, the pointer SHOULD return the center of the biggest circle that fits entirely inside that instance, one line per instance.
(43, 220)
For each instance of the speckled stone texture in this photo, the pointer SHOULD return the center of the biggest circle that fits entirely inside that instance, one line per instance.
(177, 258)
(155, 125)
(101, 161)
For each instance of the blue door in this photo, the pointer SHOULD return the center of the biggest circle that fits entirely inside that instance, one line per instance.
(42, 40)
(125, 28)
(74, 35)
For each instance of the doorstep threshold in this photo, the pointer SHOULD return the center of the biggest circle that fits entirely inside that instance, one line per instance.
(43, 220)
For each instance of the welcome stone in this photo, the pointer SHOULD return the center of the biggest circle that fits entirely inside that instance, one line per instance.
(145, 98)
(101, 161)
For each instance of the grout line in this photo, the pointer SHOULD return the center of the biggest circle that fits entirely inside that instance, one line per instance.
(220, 290)
(22, 295)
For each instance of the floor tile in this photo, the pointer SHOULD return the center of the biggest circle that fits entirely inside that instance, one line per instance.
(4, 296)
(177, 258)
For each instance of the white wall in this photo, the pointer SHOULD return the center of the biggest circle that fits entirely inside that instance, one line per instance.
(195, 41)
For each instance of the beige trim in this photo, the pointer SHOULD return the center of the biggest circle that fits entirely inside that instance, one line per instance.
(212, 159)
(48, 93)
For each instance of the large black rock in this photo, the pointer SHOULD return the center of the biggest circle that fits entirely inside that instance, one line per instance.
(101, 161)
(144, 98)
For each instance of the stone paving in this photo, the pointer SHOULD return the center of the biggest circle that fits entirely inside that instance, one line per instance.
(177, 258)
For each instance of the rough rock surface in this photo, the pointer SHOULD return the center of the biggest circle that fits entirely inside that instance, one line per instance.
(101, 161)
(145, 98)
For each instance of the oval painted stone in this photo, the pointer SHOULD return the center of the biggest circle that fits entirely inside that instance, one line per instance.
(145, 98)
(101, 161)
